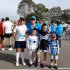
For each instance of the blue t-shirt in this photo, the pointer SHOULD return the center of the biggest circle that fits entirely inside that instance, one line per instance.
(59, 30)
(54, 47)
(30, 27)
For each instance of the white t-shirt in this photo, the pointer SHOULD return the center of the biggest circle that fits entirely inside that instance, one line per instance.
(20, 32)
(8, 26)
(32, 42)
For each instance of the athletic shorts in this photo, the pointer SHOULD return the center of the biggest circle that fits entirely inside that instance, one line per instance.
(54, 57)
(20, 44)
(8, 35)
(2, 37)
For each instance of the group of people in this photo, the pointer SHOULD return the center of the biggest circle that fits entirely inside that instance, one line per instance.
(36, 36)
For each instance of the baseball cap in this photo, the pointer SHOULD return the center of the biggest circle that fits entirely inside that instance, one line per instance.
(53, 35)
(33, 18)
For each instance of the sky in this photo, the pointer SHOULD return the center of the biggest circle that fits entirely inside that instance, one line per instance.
(9, 7)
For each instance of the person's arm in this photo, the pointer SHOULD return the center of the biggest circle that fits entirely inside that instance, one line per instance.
(14, 32)
(49, 50)
(58, 47)
(27, 43)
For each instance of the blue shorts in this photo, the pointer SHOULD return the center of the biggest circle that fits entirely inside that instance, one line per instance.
(20, 44)
(54, 51)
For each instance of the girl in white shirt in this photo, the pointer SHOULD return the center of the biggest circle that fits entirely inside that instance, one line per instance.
(32, 44)
(20, 40)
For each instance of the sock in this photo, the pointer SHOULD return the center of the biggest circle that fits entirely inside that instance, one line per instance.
(52, 64)
(55, 64)
(17, 57)
(22, 55)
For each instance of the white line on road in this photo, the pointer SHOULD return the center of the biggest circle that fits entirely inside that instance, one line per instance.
(37, 69)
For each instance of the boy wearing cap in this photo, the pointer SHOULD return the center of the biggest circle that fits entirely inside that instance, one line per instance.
(54, 50)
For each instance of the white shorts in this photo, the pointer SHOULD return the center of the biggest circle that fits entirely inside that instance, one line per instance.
(54, 57)
(45, 51)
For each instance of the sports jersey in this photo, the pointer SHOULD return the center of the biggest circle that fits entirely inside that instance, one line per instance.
(20, 32)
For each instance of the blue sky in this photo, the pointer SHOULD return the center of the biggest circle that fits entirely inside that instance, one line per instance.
(9, 7)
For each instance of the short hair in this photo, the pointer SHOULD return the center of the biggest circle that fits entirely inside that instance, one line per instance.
(44, 25)
(7, 18)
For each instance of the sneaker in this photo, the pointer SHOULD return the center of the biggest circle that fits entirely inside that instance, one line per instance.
(17, 64)
(3, 49)
(10, 49)
(55, 67)
(38, 64)
(44, 65)
(51, 66)
(30, 62)
(24, 63)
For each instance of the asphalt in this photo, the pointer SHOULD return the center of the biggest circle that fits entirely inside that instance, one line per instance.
(7, 58)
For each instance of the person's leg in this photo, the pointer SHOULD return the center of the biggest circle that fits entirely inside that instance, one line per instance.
(18, 50)
(30, 57)
(10, 42)
(55, 62)
(52, 60)
(38, 57)
(45, 57)
(33, 56)
(23, 56)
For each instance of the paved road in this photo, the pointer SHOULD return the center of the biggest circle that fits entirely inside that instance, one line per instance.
(7, 58)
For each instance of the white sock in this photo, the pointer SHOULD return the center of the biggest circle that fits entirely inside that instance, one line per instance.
(52, 64)
(22, 55)
(17, 57)
(55, 64)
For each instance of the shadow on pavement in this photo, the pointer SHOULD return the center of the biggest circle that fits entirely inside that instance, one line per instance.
(11, 58)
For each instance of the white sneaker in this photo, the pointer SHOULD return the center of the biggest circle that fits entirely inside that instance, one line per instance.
(3, 49)
(10, 49)
(31, 62)
(17, 64)
(24, 63)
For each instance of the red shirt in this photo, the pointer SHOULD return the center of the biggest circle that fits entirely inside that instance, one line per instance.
(1, 28)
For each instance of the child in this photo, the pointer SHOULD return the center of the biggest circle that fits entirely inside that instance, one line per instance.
(43, 44)
(32, 44)
(20, 43)
(54, 50)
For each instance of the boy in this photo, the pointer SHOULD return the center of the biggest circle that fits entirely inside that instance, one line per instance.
(32, 44)
(54, 50)
(44, 44)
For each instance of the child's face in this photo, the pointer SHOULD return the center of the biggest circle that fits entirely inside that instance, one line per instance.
(34, 32)
(54, 38)
(44, 28)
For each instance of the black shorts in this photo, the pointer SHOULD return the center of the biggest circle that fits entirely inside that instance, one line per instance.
(2, 37)
(44, 45)
(20, 44)
(8, 35)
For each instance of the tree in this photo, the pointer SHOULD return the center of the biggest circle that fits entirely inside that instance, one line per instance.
(25, 7)
(66, 15)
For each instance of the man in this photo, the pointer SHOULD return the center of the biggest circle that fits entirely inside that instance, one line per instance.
(1, 35)
(8, 27)
(32, 24)
(59, 32)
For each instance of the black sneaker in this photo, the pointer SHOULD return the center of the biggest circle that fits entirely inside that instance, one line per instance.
(44, 65)
(51, 66)
(55, 67)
